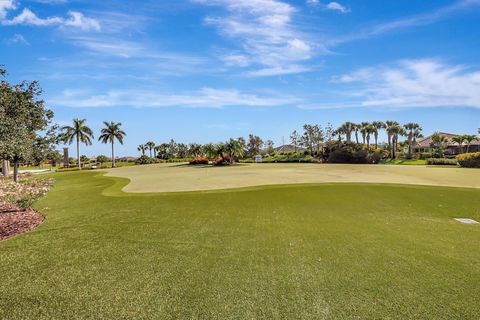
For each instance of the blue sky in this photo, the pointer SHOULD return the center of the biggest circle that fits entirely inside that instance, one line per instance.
(207, 70)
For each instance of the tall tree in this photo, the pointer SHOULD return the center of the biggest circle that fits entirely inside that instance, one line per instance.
(348, 128)
(363, 131)
(78, 132)
(150, 146)
(459, 140)
(413, 131)
(469, 138)
(254, 145)
(194, 150)
(209, 150)
(377, 125)
(295, 140)
(312, 138)
(22, 116)
(396, 132)
(369, 130)
(110, 133)
(142, 148)
(356, 129)
(391, 127)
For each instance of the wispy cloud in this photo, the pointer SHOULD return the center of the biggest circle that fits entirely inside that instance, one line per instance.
(335, 6)
(407, 22)
(18, 39)
(413, 83)
(75, 20)
(204, 98)
(266, 36)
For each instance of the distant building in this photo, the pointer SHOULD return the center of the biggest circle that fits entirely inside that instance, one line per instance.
(452, 147)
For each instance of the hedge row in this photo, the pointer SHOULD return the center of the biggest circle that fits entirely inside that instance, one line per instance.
(469, 160)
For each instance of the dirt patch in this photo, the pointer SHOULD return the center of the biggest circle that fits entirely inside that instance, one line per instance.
(14, 220)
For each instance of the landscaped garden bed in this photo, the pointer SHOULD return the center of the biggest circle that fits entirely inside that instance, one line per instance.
(16, 199)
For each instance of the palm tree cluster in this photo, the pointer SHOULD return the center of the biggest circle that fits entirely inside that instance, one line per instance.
(81, 133)
(369, 130)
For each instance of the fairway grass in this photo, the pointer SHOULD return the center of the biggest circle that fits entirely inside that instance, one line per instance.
(181, 177)
(332, 251)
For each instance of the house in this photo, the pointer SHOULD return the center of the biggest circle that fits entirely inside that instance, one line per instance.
(452, 148)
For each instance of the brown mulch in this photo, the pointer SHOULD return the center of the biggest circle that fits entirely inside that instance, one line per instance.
(14, 220)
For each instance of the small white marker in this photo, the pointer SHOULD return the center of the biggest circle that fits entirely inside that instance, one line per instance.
(466, 220)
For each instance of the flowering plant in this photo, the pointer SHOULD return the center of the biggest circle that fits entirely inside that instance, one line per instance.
(26, 191)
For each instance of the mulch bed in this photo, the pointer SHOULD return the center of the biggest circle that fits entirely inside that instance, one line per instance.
(14, 220)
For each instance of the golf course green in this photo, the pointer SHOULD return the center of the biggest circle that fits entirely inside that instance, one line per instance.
(311, 251)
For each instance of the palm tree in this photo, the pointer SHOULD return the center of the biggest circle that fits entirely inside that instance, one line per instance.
(369, 130)
(150, 146)
(377, 125)
(413, 131)
(390, 125)
(459, 140)
(209, 150)
(79, 132)
(234, 149)
(396, 131)
(347, 128)
(142, 148)
(356, 128)
(111, 132)
(468, 139)
(363, 130)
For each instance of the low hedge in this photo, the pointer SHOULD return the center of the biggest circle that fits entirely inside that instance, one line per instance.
(469, 160)
(146, 160)
(441, 162)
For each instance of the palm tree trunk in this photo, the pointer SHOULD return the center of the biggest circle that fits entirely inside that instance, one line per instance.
(113, 154)
(390, 144)
(356, 136)
(376, 140)
(78, 153)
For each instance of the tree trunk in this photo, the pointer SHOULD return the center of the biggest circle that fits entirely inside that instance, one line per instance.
(15, 171)
(113, 154)
(356, 136)
(5, 168)
(78, 153)
(390, 145)
(376, 140)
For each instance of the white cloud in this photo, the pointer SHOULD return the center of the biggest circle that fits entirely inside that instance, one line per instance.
(78, 20)
(337, 7)
(18, 39)
(415, 83)
(313, 2)
(75, 20)
(204, 98)
(264, 33)
(5, 6)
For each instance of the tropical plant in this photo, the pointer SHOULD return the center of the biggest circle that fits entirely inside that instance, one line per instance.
(368, 132)
(234, 149)
(377, 125)
(209, 150)
(150, 147)
(110, 133)
(396, 131)
(459, 140)
(469, 160)
(356, 129)
(363, 131)
(142, 148)
(413, 131)
(79, 132)
(469, 138)
(391, 127)
(348, 128)
(102, 159)
(438, 144)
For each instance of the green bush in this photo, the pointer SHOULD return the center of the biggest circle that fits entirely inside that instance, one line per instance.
(348, 155)
(441, 162)
(146, 160)
(469, 160)
(426, 155)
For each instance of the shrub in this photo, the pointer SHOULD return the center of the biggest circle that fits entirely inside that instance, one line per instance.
(426, 155)
(199, 160)
(469, 160)
(26, 192)
(146, 160)
(441, 162)
(348, 155)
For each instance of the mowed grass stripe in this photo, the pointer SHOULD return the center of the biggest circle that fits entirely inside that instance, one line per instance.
(309, 252)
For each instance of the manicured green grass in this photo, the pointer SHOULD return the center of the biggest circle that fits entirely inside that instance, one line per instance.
(409, 162)
(340, 251)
